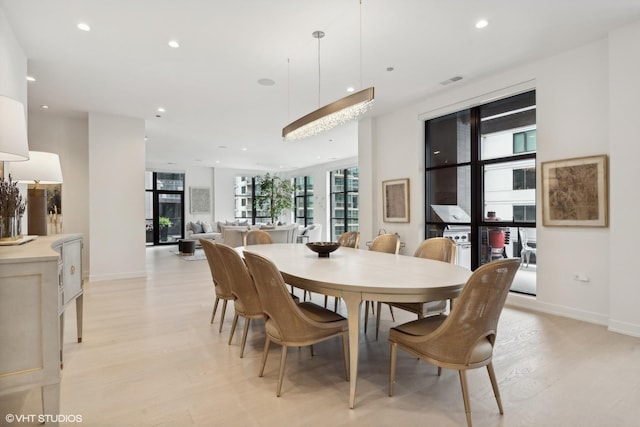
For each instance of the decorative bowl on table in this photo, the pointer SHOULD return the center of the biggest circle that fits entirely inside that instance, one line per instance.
(323, 249)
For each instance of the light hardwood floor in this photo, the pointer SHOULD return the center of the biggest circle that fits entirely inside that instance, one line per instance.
(149, 357)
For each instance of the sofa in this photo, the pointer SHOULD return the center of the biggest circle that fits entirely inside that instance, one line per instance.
(202, 230)
(232, 232)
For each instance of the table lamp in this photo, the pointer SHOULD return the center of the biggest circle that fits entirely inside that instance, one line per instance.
(41, 168)
(13, 131)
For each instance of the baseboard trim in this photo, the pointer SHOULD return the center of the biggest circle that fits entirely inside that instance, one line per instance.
(119, 276)
(531, 303)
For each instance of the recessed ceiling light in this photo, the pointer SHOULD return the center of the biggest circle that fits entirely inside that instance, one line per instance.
(84, 26)
(244, 149)
(174, 44)
(266, 82)
(350, 89)
(482, 23)
(217, 161)
(31, 79)
(44, 106)
(222, 146)
(161, 110)
(390, 69)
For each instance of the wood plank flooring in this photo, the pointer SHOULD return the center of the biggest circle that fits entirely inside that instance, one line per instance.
(149, 357)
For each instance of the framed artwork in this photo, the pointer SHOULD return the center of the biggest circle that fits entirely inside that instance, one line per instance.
(200, 198)
(575, 192)
(395, 200)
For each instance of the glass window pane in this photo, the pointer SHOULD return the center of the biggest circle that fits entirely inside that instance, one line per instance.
(449, 194)
(449, 139)
(170, 181)
(505, 186)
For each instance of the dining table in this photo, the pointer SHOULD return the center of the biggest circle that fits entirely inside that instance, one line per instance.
(358, 275)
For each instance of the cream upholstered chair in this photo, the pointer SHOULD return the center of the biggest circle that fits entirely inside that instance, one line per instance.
(439, 249)
(388, 243)
(464, 339)
(257, 237)
(290, 324)
(349, 239)
(221, 287)
(247, 303)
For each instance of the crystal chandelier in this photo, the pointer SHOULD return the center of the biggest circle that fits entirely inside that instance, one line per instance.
(334, 114)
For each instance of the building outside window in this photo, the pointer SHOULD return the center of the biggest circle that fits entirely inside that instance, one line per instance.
(304, 200)
(344, 201)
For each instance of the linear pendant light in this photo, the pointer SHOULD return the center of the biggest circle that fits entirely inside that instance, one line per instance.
(331, 115)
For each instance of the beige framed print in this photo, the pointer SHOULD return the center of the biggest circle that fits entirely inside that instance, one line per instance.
(395, 200)
(575, 192)
(200, 200)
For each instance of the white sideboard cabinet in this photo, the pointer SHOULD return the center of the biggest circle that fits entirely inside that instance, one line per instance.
(38, 279)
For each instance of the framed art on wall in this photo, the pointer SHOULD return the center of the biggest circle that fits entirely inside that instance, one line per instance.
(395, 200)
(575, 192)
(200, 198)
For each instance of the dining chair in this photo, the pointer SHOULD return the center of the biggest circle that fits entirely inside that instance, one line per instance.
(388, 243)
(257, 237)
(436, 248)
(247, 303)
(222, 287)
(289, 324)
(465, 338)
(349, 239)
(527, 236)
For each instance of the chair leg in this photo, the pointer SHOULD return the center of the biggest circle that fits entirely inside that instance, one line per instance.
(233, 327)
(391, 311)
(366, 315)
(392, 366)
(378, 319)
(215, 307)
(494, 384)
(244, 336)
(265, 353)
(283, 359)
(345, 353)
(335, 304)
(224, 310)
(465, 395)
(326, 298)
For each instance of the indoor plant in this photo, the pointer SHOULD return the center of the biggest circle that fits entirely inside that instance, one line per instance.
(11, 208)
(164, 223)
(275, 195)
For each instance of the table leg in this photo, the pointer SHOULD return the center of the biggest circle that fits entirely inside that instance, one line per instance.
(353, 301)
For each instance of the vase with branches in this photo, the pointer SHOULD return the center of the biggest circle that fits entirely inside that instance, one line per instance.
(12, 207)
(275, 195)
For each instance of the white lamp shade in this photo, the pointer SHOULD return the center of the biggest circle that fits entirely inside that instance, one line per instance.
(43, 168)
(13, 131)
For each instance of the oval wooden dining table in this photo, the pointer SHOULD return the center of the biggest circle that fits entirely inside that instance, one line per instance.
(358, 275)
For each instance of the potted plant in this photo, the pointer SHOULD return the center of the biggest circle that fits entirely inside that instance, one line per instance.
(275, 195)
(164, 223)
(12, 207)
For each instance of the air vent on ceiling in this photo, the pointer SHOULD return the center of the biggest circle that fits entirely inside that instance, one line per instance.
(451, 80)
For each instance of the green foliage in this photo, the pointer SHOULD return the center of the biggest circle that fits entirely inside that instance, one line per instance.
(163, 221)
(275, 195)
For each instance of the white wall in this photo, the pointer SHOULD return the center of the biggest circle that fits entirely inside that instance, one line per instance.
(68, 137)
(116, 197)
(624, 92)
(578, 93)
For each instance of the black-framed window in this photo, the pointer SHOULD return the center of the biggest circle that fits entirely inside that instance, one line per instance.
(343, 194)
(304, 200)
(164, 206)
(246, 193)
(474, 160)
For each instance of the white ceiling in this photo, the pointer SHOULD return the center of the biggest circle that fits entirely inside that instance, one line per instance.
(209, 85)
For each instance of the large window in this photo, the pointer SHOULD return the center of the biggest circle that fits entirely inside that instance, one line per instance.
(304, 200)
(344, 201)
(480, 176)
(164, 205)
(247, 192)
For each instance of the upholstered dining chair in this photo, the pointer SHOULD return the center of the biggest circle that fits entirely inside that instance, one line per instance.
(257, 237)
(247, 303)
(222, 287)
(388, 243)
(436, 248)
(465, 338)
(289, 324)
(349, 239)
